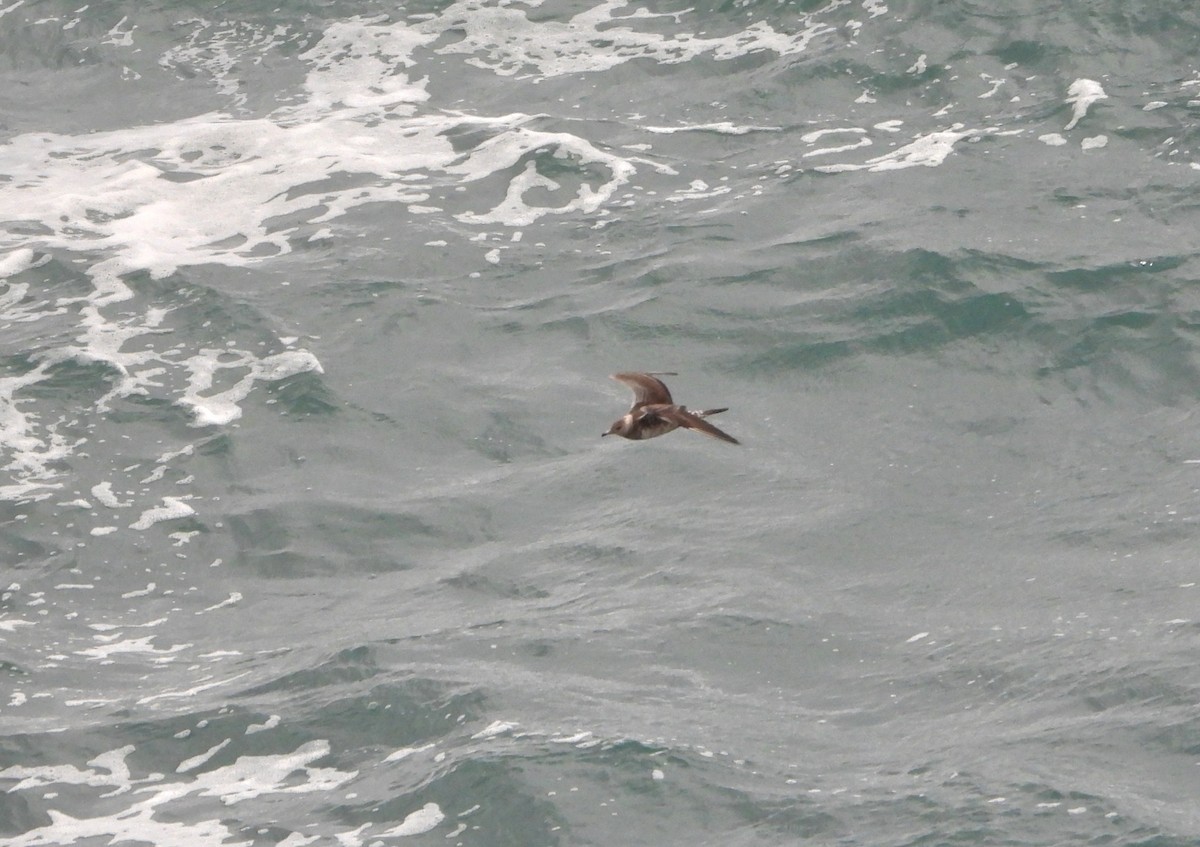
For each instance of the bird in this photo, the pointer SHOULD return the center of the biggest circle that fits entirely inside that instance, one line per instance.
(654, 413)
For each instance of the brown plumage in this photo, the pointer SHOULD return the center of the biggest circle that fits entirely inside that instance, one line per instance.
(654, 413)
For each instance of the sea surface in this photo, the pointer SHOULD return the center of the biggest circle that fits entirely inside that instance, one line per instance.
(307, 531)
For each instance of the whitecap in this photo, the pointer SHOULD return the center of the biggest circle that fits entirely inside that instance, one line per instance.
(928, 150)
(495, 728)
(1083, 93)
(422, 820)
(172, 508)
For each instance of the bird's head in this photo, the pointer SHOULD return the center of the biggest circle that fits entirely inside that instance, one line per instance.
(620, 427)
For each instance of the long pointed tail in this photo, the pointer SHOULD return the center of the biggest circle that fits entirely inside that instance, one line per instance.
(707, 412)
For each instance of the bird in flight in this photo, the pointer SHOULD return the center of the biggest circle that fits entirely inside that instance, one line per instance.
(654, 413)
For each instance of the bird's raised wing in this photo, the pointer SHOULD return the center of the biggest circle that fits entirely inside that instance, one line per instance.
(686, 419)
(647, 389)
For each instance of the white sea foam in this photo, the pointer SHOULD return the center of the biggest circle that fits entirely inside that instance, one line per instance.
(422, 820)
(840, 148)
(149, 589)
(35, 449)
(698, 189)
(270, 723)
(1082, 93)
(405, 752)
(720, 127)
(928, 150)
(141, 646)
(109, 627)
(504, 40)
(113, 762)
(190, 803)
(172, 508)
(817, 134)
(196, 761)
(875, 8)
(995, 83)
(14, 263)
(223, 407)
(104, 495)
(577, 738)
(151, 820)
(189, 692)
(219, 49)
(495, 728)
(233, 599)
(186, 450)
(119, 37)
(506, 150)
(96, 198)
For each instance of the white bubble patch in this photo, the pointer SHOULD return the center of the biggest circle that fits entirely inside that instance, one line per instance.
(221, 408)
(149, 819)
(192, 803)
(1081, 94)
(502, 38)
(928, 150)
(421, 821)
(172, 508)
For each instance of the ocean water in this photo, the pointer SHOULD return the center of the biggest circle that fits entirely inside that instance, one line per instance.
(307, 533)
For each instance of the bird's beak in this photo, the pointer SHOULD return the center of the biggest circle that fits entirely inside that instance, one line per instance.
(604, 434)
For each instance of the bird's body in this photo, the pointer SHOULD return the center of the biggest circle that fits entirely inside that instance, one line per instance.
(654, 413)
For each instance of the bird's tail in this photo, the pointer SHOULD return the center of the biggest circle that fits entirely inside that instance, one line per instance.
(707, 412)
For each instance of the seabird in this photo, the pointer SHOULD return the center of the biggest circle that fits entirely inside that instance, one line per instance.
(654, 413)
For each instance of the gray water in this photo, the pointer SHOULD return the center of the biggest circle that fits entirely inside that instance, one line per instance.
(309, 536)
